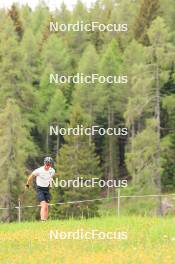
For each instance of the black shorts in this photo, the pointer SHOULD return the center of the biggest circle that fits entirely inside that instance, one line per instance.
(43, 194)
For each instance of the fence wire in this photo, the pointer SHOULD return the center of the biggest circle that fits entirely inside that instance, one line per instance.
(91, 200)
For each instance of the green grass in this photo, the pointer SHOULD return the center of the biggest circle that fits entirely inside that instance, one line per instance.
(150, 241)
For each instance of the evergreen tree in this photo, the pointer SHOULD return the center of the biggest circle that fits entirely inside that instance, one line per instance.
(26, 16)
(56, 57)
(149, 10)
(56, 54)
(162, 54)
(168, 141)
(149, 77)
(167, 10)
(31, 57)
(141, 162)
(123, 15)
(14, 14)
(57, 115)
(39, 19)
(16, 145)
(79, 13)
(13, 76)
(85, 93)
(77, 159)
(110, 105)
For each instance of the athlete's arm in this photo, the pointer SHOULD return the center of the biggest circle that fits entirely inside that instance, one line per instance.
(30, 179)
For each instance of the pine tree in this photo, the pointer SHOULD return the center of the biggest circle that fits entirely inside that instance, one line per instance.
(168, 143)
(31, 57)
(56, 115)
(14, 14)
(162, 53)
(77, 159)
(26, 16)
(110, 105)
(55, 57)
(167, 10)
(146, 85)
(13, 75)
(79, 13)
(124, 16)
(141, 162)
(56, 54)
(16, 145)
(149, 10)
(40, 19)
(85, 94)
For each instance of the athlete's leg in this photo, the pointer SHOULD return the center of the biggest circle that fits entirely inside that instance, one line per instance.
(47, 199)
(44, 210)
(44, 198)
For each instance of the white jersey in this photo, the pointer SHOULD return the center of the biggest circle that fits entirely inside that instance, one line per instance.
(43, 177)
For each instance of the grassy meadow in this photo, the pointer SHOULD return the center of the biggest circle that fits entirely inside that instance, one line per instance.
(150, 240)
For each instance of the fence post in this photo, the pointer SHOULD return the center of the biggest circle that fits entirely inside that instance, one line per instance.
(118, 203)
(19, 210)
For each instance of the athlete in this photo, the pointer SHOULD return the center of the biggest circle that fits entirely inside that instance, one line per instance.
(43, 176)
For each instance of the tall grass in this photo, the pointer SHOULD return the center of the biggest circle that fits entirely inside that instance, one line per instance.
(150, 240)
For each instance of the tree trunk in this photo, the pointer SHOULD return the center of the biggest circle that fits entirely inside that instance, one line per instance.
(111, 150)
(58, 145)
(90, 113)
(47, 139)
(157, 113)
